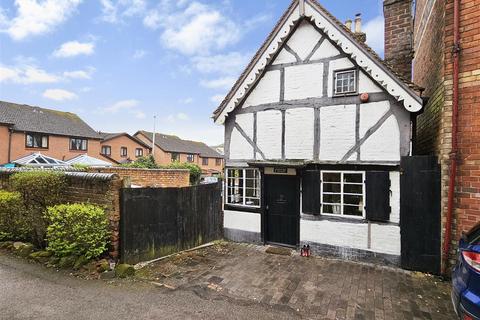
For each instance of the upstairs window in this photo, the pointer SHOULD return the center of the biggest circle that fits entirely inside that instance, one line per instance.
(190, 157)
(218, 162)
(175, 157)
(205, 161)
(36, 140)
(78, 144)
(243, 187)
(123, 151)
(106, 150)
(345, 82)
(139, 152)
(343, 193)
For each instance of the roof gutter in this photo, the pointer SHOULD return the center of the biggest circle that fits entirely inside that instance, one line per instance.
(454, 148)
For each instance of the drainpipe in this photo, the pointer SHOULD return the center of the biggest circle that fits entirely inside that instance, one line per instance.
(454, 151)
(10, 131)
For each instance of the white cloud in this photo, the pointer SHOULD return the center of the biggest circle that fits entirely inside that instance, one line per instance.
(139, 54)
(37, 17)
(231, 63)
(220, 83)
(26, 74)
(59, 94)
(188, 100)
(375, 34)
(122, 105)
(140, 114)
(218, 98)
(113, 12)
(74, 48)
(172, 118)
(194, 29)
(80, 74)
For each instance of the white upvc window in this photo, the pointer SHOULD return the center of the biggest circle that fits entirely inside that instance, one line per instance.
(343, 193)
(345, 82)
(243, 187)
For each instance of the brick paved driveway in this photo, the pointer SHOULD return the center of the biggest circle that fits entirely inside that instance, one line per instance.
(315, 288)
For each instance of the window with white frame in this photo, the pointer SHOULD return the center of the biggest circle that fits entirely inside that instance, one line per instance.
(190, 157)
(343, 193)
(345, 82)
(243, 187)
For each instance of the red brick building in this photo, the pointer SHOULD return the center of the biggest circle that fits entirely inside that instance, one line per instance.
(434, 43)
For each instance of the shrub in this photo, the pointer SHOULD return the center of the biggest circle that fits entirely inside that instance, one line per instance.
(13, 222)
(195, 171)
(147, 162)
(39, 190)
(77, 230)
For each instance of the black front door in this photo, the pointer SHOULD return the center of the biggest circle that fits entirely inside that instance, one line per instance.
(282, 210)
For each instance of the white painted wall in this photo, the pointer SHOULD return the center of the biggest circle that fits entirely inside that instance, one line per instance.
(326, 50)
(304, 39)
(284, 57)
(245, 121)
(266, 91)
(299, 131)
(384, 238)
(303, 81)
(395, 196)
(239, 147)
(370, 113)
(366, 84)
(337, 131)
(384, 144)
(269, 133)
(338, 64)
(239, 220)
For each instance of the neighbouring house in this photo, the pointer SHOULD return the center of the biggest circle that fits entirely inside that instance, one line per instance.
(122, 147)
(26, 130)
(315, 128)
(446, 62)
(170, 148)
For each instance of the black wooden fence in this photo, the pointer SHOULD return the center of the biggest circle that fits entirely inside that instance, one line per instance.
(158, 222)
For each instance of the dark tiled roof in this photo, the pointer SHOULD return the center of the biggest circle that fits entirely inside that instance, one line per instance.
(276, 29)
(171, 143)
(108, 136)
(36, 119)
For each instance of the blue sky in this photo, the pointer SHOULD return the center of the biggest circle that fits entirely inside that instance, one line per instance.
(118, 63)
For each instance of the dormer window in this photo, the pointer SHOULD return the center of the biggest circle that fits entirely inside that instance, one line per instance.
(345, 82)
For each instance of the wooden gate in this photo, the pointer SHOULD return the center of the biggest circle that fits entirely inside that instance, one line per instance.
(156, 222)
(420, 220)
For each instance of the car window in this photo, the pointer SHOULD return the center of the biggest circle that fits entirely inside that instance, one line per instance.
(473, 236)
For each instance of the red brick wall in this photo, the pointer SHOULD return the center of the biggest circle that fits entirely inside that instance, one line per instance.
(157, 178)
(433, 69)
(398, 35)
(124, 141)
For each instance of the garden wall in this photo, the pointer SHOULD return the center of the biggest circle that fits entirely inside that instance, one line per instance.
(150, 178)
(101, 189)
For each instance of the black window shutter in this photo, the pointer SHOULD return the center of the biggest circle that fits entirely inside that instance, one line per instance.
(311, 192)
(378, 195)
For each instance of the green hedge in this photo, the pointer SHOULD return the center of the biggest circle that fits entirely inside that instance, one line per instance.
(38, 190)
(77, 230)
(13, 222)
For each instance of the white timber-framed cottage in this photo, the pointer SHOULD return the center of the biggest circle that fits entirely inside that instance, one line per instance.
(315, 128)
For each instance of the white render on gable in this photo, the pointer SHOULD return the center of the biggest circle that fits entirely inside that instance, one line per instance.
(299, 128)
(304, 39)
(269, 133)
(384, 143)
(337, 131)
(266, 91)
(284, 57)
(326, 50)
(367, 85)
(304, 81)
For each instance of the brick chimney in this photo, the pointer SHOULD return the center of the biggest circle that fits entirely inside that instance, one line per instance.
(399, 35)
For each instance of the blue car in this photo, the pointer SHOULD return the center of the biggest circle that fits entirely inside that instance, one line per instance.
(466, 277)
